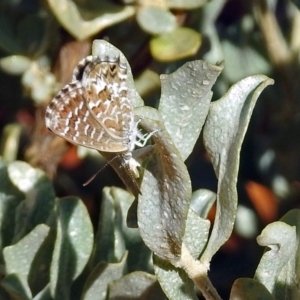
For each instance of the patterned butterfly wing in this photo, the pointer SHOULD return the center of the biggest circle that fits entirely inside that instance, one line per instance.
(107, 96)
(68, 116)
(94, 111)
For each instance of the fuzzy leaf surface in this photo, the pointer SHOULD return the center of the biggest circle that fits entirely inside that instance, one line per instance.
(223, 134)
(110, 240)
(17, 287)
(184, 103)
(166, 192)
(96, 286)
(249, 289)
(39, 202)
(19, 257)
(174, 281)
(278, 269)
(73, 245)
(136, 285)
(10, 198)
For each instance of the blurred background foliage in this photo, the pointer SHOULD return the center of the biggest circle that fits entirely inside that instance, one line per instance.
(42, 41)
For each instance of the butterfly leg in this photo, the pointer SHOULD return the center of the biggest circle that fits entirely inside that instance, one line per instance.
(142, 139)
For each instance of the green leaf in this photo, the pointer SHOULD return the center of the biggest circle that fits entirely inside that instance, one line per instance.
(224, 131)
(44, 294)
(39, 275)
(278, 269)
(202, 202)
(19, 257)
(166, 192)
(243, 59)
(297, 3)
(110, 243)
(174, 281)
(156, 20)
(17, 287)
(139, 255)
(15, 64)
(9, 144)
(24, 33)
(147, 82)
(208, 27)
(10, 198)
(96, 286)
(83, 23)
(162, 216)
(186, 94)
(73, 245)
(186, 4)
(196, 233)
(39, 202)
(249, 289)
(113, 235)
(177, 44)
(136, 285)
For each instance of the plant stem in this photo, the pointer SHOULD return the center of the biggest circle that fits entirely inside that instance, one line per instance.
(197, 271)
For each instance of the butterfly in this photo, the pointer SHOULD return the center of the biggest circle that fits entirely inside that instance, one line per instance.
(94, 111)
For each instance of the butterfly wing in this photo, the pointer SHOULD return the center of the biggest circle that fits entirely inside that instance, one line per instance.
(107, 95)
(68, 116)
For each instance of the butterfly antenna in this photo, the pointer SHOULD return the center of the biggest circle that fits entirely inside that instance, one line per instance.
(103, 167)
